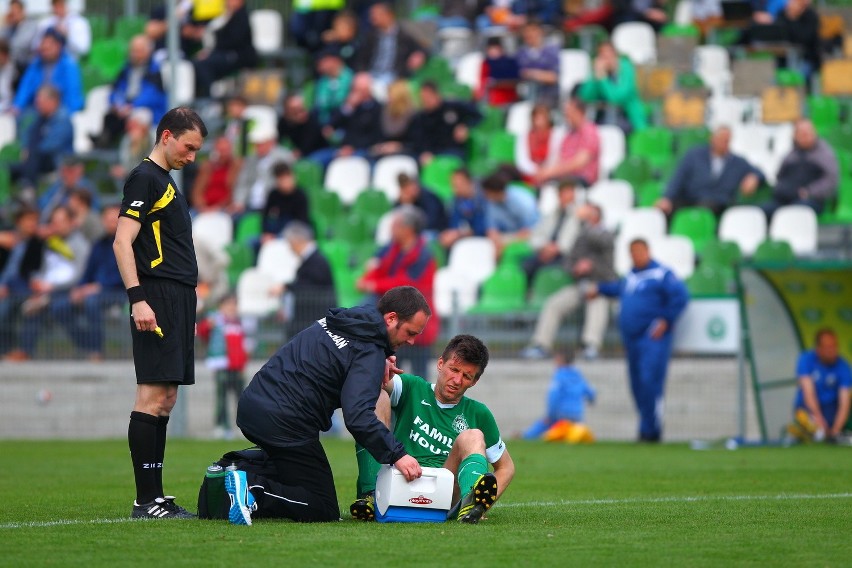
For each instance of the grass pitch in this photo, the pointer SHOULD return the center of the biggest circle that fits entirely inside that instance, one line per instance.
(68, 503)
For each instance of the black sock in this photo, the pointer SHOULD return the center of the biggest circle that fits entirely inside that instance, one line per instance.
(142, 439)
(160, 450)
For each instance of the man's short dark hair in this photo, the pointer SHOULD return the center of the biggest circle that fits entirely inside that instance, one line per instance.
(469, 349)
(579, 103)
(462, 171)
(405, 301)
(823, 332)
(281, 169)
(24, 211)
(430, 85)
(496, 182)
(180, 120)
(639, 241)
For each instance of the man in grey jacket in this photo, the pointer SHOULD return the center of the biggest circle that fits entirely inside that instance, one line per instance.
(590, 259)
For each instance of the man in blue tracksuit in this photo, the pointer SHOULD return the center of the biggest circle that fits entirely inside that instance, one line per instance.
(652, 298)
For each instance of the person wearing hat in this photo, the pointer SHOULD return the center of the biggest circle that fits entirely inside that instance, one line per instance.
(255, 179)
(52, 66)
(233, 48)
(332, 85)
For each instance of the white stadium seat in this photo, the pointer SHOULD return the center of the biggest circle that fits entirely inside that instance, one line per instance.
(278, 260)
(648, 223)
(347, 176)
(453, 291)
(676, 252)
(267, 31)
(613, 148)
(637, 41)
(263, 116)
(214, 227)
(8, 129)
(519, 118)
(575, 66)
(184, 89)
(469, 70)
(745, 225)
(798, 225)
(475, 257)
(387, 170)
(254, 295)
(614, 197)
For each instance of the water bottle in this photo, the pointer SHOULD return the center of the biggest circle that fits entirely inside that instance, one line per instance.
(215, 491)
(232, 467)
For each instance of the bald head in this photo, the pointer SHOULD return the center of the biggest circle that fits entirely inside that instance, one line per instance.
(720, 141)
(140, 50)
(804, 134)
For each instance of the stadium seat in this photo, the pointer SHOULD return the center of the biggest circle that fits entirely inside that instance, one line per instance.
(695, 223)
(436, 175)
(326, 204)
(383, 229)
(386, 172)
(682, 13)
(249, 227)
(214, 227)
(648, 223)
(309, 175)
(109, 56)
(547, 280)
(371, 203)
(501, 147)
(5, 186)
(796, 224)
(774, 251)
(614, 197)
(712, 64)
(128, 26)
(744, 225)
(707, 281)
(676, 252)
(241, 258)
(82, 134)
(721, 253)
(504, 291)
(474, 257)
(688, 138)
(514, 253)
(253, 293)
(96, 107)
(493, 119)
(727, 111)
(649, 193)
(338, 253)
(99, 26)
(278, 260)
(634, 169)
(347, 176)
(184, 88)
(8, 129)
(469, 69)
(747, 139)
(655, 144)
(453, 291)
(267, 31)
(355, 229)
(637, 41)
(262, 116)
(613, 148)
(10, 152)
(575, 66)
(823, 111)
(519, 118)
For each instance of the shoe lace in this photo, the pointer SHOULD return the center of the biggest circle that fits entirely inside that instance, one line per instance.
(170, 505)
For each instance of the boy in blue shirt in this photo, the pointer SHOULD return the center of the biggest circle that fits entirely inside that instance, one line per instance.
(821, 407)
(566, 400)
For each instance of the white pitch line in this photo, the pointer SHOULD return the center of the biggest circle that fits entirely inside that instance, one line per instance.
(563, 503)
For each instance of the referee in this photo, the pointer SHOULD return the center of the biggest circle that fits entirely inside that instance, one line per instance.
(156, 258)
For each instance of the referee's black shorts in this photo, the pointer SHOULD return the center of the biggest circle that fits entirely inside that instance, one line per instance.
(170, 359)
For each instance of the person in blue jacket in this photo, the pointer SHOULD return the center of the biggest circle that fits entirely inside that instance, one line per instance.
(53, 66)
(340, 361)
(566, 397)
(652, 298)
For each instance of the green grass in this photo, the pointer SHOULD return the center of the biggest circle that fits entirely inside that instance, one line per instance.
(66, 503)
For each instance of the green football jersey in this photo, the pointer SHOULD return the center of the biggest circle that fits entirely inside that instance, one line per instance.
(428, 428)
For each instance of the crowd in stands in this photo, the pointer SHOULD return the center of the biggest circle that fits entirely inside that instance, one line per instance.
(507, 149)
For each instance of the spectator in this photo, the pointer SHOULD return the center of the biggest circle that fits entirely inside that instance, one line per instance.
(582, 13)
(613, 82)
(136, 143)
(8, 76)
(255, 179)
(821, 407)
(53, 66)
(72, 176)
(312, 290)
(808, 174)
(652, 12)
(539, 64)
(406, 261)
(468, 211)
(357, 124)
(334, 79)
(47, 138)
(82, 310)
(20, 32)
(590, 260)
(232, 49)
(213, 188)
(801, 24)
(412, 192)
(237, 125)
(66, 254)
(191, 30)
(499, 75)
(73, 27)
(227, 356)
(455, 14)
(502, 14)
(765, 11)
(388, 51)
(86, 219)
(652, 298)
(710, 176)
(310, 19)
(25, 259)
(342, 36)
(139, 85)
(566, 400)
(580, 150)
(300, 128)
(441, 127)
(538, 148)
(396, 117)
(286, 203)
(512, 209)
(554, 235)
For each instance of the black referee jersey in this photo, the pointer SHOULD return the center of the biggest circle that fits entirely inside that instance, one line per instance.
(163, 248)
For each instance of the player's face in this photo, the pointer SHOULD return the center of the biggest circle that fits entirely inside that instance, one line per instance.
(454, 378)
(181, 150)
(404, 332)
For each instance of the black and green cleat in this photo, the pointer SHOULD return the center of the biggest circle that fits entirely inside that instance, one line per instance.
(364, 509)
(473, 506)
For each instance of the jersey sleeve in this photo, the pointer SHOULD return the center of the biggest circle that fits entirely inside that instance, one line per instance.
(494, 444)
(804, 367)
(396, 393)
(139, 197)
(844, 376)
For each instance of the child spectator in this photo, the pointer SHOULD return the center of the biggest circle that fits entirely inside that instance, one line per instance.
(500, 75)
(227, 355)
(565, 406)
(286, 202)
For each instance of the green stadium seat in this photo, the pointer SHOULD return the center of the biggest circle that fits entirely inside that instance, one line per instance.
(501, 147)
(676, 30)
(355, 229)
(493, 119)
(109, 56)
(634, 169)
(439, 253)
(514, 253)
(128, 26)
(546, 281)
(688, 138)
(455, 91)
(10, 152)
(690, 81)
(371, 203)
(707, 281)
(344, 285)
(242, 257)
(654, 143)
(435, 69)
(504, 291)
(99, 25)
(249, 228)
(840, 137)
(823, 111)
(436, 175)
(649, 193)
(92, 77)
(327, 204)
(362, 252)
(697, 224)
(5, 186)
(774, 251)
(338, 253)
(721, 253)
(309, 175)
(789, 78)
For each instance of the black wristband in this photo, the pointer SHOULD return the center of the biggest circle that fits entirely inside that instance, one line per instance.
(135, 294)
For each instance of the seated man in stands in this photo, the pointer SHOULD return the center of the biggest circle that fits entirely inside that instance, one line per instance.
(51, 67)
(388, 52)
(539, 64)
(808, 174)
(468, 211)
(822, 401)
(441, 127)
(232, 49)
(710, 176)
(553, 236)
(512, 209)
(24, 259)
(300, 127)
(72, 176)
(255, 179)
(411, 192)
(579, 152)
